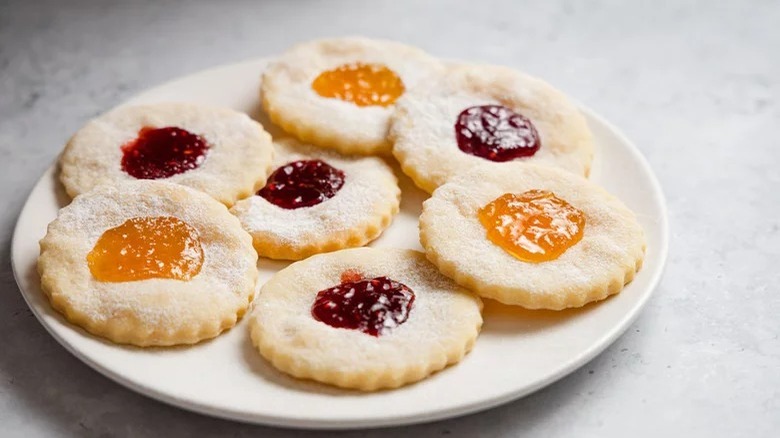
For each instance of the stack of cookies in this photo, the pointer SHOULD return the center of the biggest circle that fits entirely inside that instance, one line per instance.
(173, 204)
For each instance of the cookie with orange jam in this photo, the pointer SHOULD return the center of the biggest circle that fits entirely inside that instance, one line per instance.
(470, 115)
(339, 93)
(219, 151)
(318, 200)
(148, 263)
(533, 236)
(364, 318)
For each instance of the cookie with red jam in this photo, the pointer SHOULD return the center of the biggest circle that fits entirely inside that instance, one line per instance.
(218, 151)
(319, 201)
(364, 318)
(482, 115)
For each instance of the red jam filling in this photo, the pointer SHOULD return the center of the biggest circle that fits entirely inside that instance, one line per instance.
(496, 133)
(163, 152)
(302, 184)
(373, 306)
(351, 276)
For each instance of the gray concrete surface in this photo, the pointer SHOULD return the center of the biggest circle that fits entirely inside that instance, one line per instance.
(694, 84)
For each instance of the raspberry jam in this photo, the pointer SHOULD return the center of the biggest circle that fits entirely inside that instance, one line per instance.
(351, 276)
(535, 226)
(147, 247)
(373, 306)
(163, 152)
(361, 84)
(302, 184)
(496, 133)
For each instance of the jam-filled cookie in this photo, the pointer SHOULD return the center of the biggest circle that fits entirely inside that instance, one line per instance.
(215, 150)
(318, 201)
(364, 318)
(339, 93)
(532, 235)
(148, 263)
(471, 115)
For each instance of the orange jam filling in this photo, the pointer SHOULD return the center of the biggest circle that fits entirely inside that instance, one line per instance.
(361, 84)
(535, 226)
(147, 247)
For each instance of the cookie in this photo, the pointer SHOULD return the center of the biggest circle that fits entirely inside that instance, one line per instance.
(148, 263)
(218, 151)
(364, 318)
(318, 201)
(471, 115)
(532, 236)
(339, 93)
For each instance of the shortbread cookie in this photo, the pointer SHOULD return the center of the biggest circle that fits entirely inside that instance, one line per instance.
(364, 318)
(319, 201)
(486, 115)
(215, 150)
(339, 93)
(148, 263)
(532, 235)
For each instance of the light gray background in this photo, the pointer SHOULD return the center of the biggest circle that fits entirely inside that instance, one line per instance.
(694, 84)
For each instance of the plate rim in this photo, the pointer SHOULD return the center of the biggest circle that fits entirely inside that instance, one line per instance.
(597, 347)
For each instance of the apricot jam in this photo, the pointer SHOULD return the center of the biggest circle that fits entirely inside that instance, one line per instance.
(147, 247)
(535, 226)
(361, 84)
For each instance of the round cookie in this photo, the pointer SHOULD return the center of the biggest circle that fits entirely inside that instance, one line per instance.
(148, 263)
(218, 151)
(471, 115)
(338, 93)
(411, 321)
(319, 201)
(532, 236)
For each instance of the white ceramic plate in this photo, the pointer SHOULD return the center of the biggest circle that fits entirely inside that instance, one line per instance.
(518, 351)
